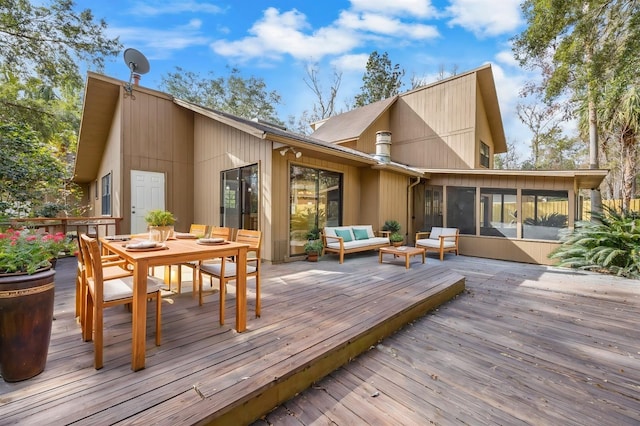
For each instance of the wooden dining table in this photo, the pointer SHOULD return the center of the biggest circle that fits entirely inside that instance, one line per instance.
(176, 251)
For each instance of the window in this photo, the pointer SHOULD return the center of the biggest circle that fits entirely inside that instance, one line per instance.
(544, 213)
(315, 201)
(484, 154)
(106, 195)
(461, 209)
(498, 212)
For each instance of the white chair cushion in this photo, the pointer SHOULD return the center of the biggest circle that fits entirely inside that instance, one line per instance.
(229, 269)
(430, 242)
(122, 288)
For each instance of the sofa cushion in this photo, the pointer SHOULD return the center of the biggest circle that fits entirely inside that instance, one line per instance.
(345, 234)
(330, 231)
(367, 228)
(360, 233)
(360, 243)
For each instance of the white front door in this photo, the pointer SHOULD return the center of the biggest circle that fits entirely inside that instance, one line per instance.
(147, 193)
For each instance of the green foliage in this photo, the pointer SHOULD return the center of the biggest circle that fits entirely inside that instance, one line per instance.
(610, 243)
(313, 234)
(380, 81)
(243, 97)
(392, 226)
(159, 218)
(41, 50)
(313, 246)
(49, 210)
(51, 41)
(396, 237)
(27, 251)
(555, 220)
(28, 167)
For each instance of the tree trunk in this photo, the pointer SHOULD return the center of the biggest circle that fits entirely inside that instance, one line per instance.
(629, 154)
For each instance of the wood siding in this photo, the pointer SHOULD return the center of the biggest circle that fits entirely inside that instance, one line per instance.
(483, 131)
(367, 141)
(436, 126)
(218, 147)
(150, 133)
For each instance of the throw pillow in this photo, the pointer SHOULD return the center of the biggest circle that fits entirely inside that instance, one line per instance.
(345, 234)
(360, 234)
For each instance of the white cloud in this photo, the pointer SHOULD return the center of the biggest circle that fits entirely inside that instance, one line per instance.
(349, 63)
(278, 33)
(485, 17)
(506, 57)
(173, 7)
(380, 24)
(419, 8)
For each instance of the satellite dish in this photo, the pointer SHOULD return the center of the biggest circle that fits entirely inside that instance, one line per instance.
(138, 65)
(136, 61)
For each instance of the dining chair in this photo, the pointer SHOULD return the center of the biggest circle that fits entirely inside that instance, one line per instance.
(102, 293)
(195, 229)
(226, 269)
(113, 266)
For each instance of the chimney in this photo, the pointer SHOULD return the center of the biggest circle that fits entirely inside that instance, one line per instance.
(136, 79)
(383, 146)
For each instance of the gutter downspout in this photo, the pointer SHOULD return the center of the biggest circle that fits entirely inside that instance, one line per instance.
(410, 205)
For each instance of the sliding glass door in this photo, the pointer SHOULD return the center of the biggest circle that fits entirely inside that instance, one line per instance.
(315, 201)
(239, 198)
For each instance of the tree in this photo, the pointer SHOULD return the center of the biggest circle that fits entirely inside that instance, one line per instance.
(235, 95)
(48, 42)
(41, 49)
(583, 40)
(28, 168)
(325, 105)
(508, 160)
(621, 113)
(381, 80)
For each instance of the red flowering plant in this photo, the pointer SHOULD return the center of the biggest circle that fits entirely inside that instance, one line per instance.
(26, 251)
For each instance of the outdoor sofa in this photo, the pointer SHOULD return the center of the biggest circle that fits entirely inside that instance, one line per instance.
(351, 239)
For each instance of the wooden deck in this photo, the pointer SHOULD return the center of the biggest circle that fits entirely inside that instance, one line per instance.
(523, 345)
(315, 317)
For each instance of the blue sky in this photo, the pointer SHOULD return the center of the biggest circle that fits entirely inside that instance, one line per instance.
(276, 39)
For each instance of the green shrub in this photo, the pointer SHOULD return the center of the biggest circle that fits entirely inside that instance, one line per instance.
(610, 243)
(392, 226)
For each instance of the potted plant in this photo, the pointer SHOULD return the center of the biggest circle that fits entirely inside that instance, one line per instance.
(393, 228)
(160, 223)
(396, 239)
(313, 248)
(26, 300)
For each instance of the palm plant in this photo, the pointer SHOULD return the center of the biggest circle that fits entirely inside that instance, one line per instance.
(610, 243)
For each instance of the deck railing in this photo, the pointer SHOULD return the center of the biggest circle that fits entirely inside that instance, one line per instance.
(93, 226)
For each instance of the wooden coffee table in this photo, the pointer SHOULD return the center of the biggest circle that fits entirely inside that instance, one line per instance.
(407, 252)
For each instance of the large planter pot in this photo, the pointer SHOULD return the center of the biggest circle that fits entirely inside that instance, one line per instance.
(26, 313)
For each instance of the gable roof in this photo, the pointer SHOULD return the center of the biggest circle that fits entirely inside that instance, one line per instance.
(101, 97)
(351, 124)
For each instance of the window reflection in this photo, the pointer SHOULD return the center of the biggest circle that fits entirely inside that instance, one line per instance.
(544, 213)
(315, 201)
(498, 212)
